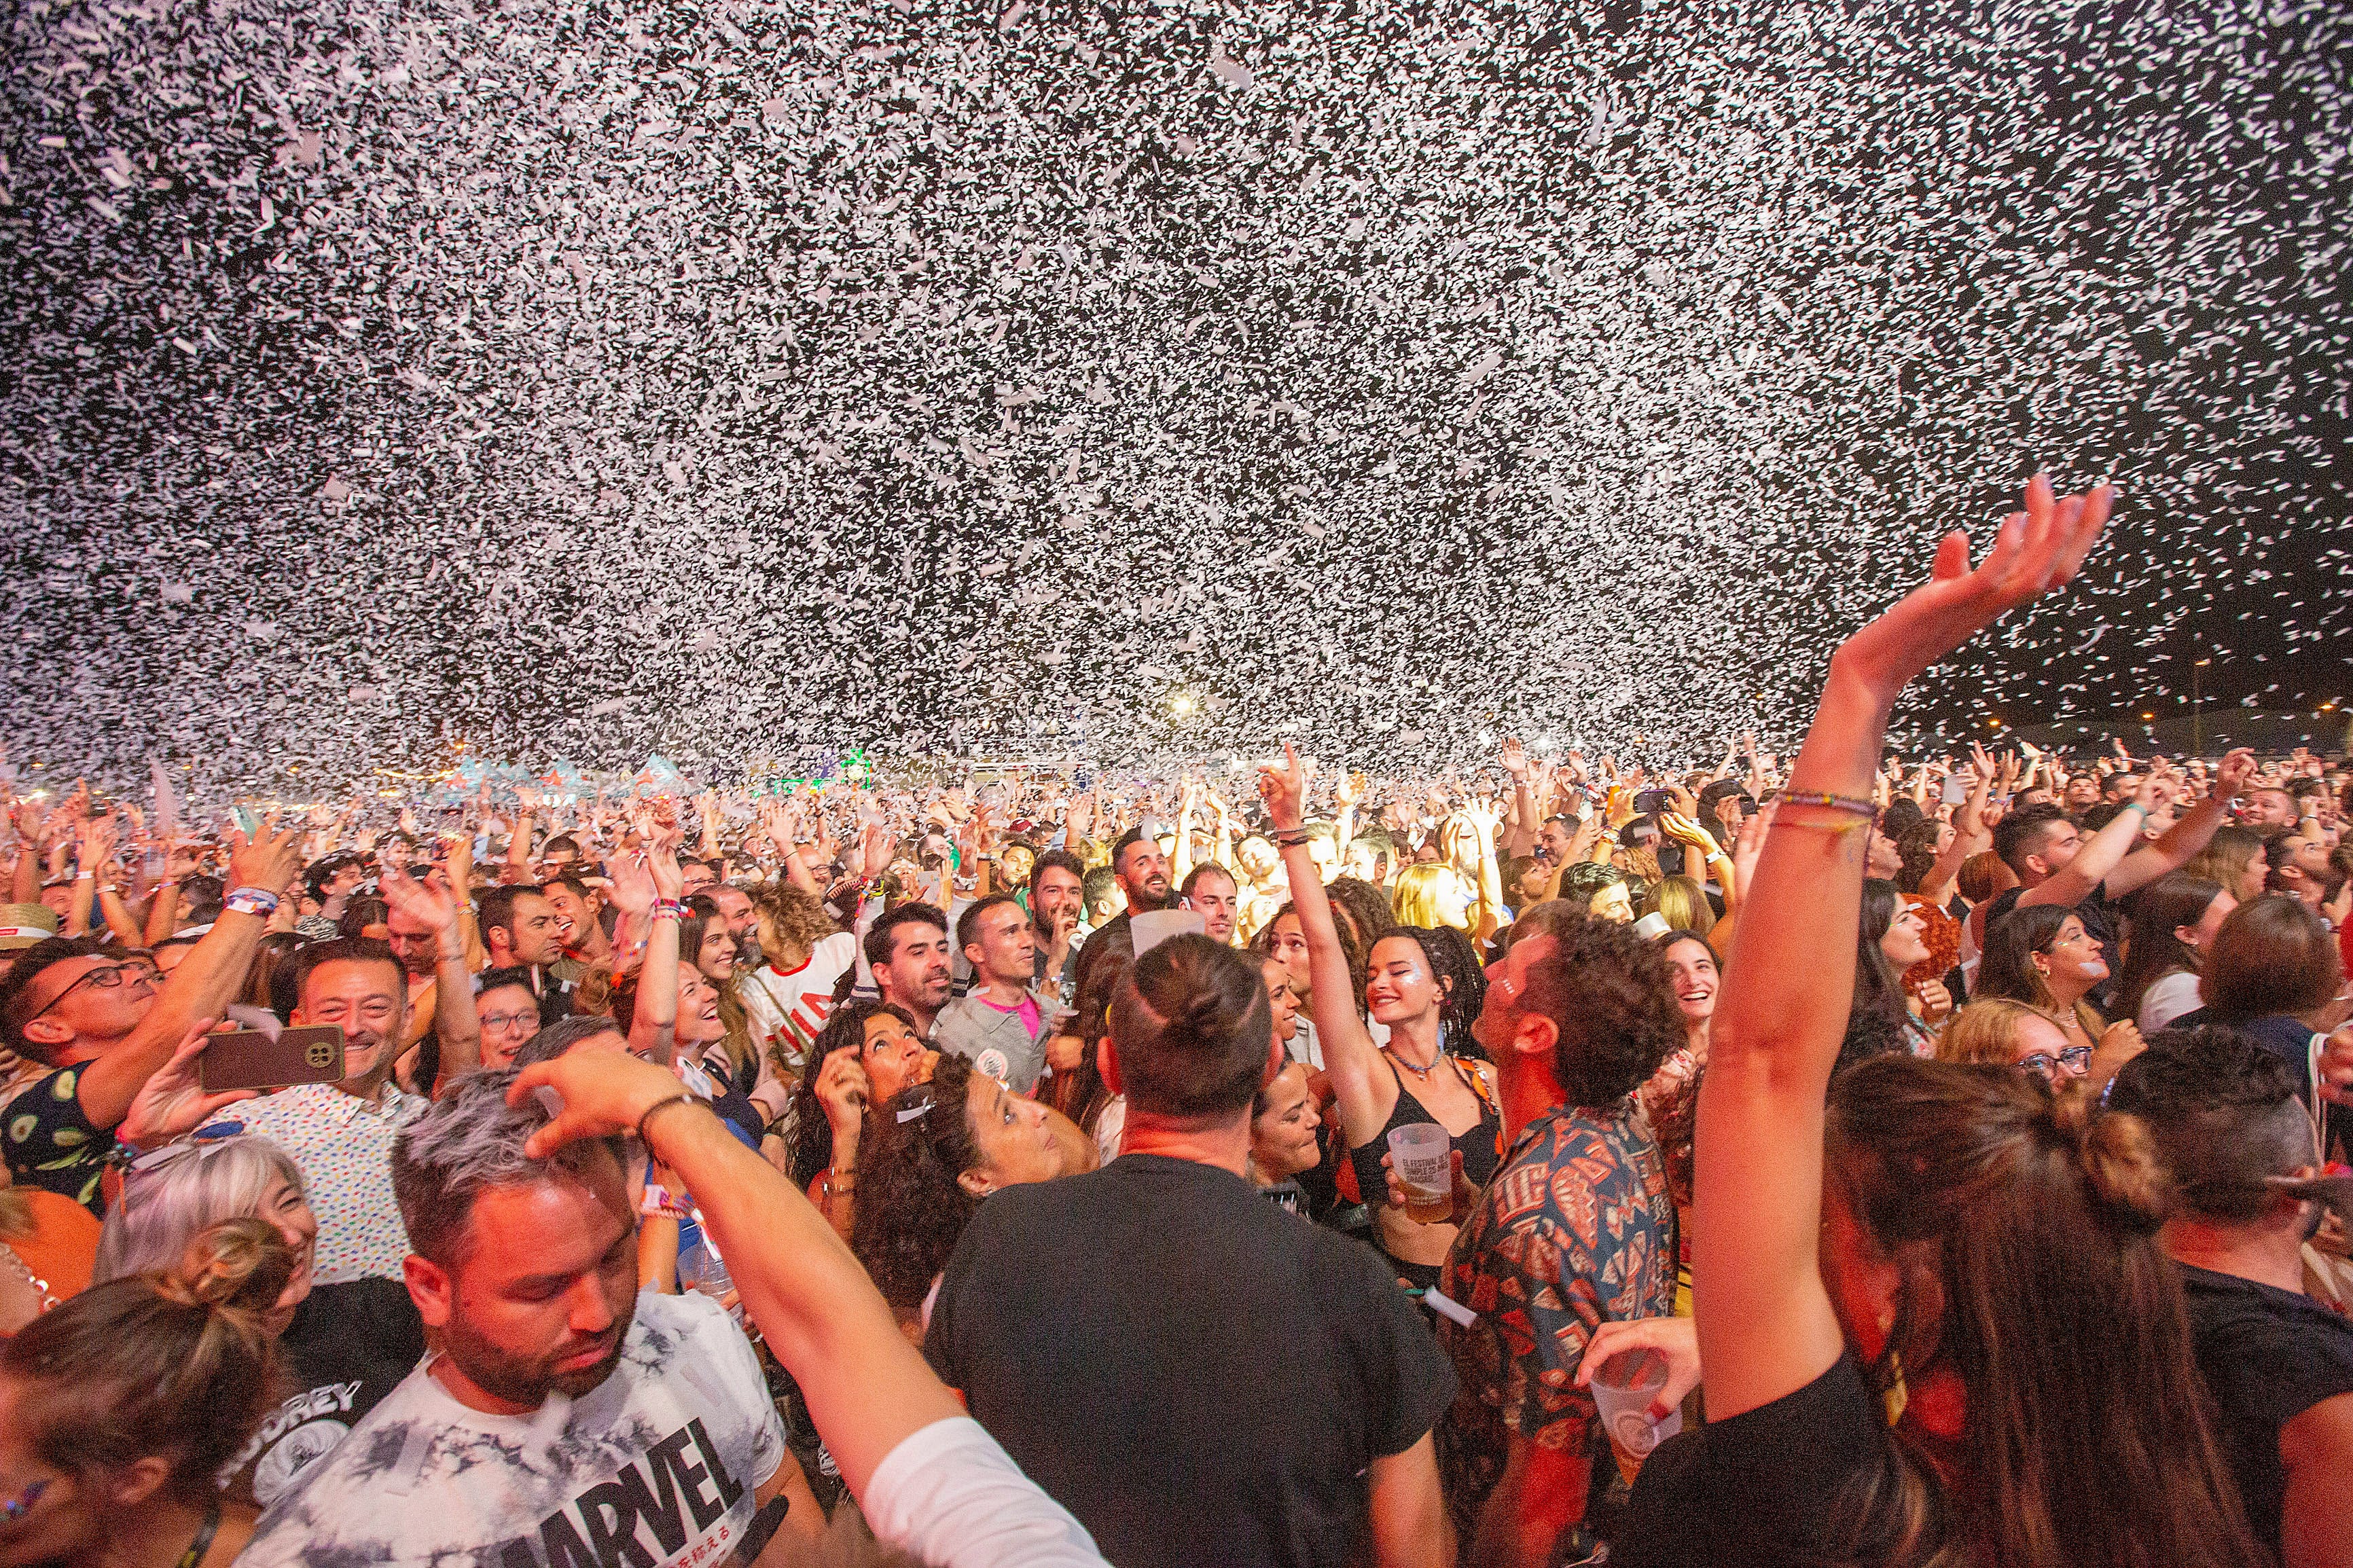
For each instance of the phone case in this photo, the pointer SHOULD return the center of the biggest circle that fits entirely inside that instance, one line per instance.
(249, 1059)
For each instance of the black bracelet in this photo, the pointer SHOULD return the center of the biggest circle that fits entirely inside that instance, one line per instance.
(1295, 839)
(682, 1097)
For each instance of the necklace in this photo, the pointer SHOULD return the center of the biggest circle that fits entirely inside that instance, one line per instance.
(40, 1285)
(202, 1541)
(1419, 1072)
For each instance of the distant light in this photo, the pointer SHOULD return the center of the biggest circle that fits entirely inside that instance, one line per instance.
(1182, 705)
(2147, 716)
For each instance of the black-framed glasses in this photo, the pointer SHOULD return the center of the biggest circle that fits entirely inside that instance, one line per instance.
(2043, 1064)
(105, 977)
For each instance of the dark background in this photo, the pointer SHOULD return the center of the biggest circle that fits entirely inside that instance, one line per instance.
(575, 381)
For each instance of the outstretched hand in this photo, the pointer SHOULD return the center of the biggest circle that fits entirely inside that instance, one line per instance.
(1284, 787)
(2036, 551)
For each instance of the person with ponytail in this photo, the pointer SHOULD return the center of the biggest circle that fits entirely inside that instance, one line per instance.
(120, 1409)
(1197, 1375)
(1932, 1318)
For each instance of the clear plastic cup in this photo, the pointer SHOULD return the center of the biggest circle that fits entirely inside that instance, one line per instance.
(1418, 1154)
(703, 1271)
(1624, 1387)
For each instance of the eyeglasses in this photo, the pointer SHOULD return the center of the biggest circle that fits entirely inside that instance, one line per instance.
(510, 1020)
(105, 977)
(2043, 1065)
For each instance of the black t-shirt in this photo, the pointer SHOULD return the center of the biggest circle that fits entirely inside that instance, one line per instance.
(1759, 1488)
(2099, 923)
(2268, 1356)
(1199, 1376)
(348, 1346)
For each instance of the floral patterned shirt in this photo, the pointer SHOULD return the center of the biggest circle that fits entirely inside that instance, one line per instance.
(1575, 1230)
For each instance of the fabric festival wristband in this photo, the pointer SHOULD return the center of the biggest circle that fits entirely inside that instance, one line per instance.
(251, 901)
(669, 909)
(1830, 802)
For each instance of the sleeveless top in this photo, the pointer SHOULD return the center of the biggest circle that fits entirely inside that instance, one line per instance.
(1482, 1146)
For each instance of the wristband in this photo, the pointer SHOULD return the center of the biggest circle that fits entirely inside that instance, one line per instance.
(668, 909)
(1830, 802)
(658, 1205)
(1292, 839)
(251, 901)
(681, 1098)
(2134, 806)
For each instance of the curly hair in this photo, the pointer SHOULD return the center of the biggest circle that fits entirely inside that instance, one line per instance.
(1917, 850)
(845, 1030)
(1606, 991)
(1456, 960)
(790, 921)
(1581, 881)
(1366, 905)
(910, 1206)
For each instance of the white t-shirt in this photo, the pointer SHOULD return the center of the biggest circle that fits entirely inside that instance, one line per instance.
(951, 1498)
(795, 1003)
(658, 1465)
(2168, 997)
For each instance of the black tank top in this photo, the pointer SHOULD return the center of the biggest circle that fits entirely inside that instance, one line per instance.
(1482, 1146)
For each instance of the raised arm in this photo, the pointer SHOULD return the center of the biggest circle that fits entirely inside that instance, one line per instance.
(1348, 1049)
(206, 980)
(2190, 832)
(2100, 855)
(1765, 1324)
(455, 1023)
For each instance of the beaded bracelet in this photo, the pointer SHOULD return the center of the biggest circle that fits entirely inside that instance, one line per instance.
(668, 909)
(1830, 802)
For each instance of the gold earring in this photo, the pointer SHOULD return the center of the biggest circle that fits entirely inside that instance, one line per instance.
(1896, 1397)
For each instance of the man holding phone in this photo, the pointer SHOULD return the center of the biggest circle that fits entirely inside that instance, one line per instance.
(341, 1134)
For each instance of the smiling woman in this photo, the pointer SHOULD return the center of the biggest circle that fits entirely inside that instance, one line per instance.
(343, 1347)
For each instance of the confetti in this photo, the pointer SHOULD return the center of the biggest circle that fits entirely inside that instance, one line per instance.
(746, 380)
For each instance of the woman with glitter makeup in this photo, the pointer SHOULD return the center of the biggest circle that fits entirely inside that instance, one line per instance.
(1410, 1080)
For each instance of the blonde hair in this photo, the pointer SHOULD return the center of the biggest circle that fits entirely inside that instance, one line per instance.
(1985, 1033)
(1417, 892)
(1683, 901)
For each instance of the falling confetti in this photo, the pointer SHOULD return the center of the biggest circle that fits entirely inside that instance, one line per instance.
(708, 382)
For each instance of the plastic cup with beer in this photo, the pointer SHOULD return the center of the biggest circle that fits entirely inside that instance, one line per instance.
(1418, 1154)
(1624, 1387)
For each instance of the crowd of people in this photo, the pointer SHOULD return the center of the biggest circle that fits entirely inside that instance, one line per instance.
(982, 1171)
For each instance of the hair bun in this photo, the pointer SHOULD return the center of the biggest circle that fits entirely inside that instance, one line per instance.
(236, 1265)
(2118, 1159)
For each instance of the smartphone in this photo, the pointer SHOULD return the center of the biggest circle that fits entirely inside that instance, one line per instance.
(1650, 803)
(249, 1059)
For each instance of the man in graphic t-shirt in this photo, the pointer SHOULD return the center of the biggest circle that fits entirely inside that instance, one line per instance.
(565, 1419)
(1001, 1026)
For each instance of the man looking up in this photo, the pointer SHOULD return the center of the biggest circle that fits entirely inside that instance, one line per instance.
(1135, 1379)
(579, 926)
(563, 1418)
(1001, 1025)
(102, 1028)
(907, 949)
(2224, 1113)
(1575, 1229)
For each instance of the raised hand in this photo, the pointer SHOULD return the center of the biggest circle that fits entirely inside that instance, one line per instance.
(632, 892)
(424, 905)
(1283, 787)
(2036, 551)
(1515, 760)
(1748, 846)
(172, 1104)
(2236, 771)
(270, 859)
